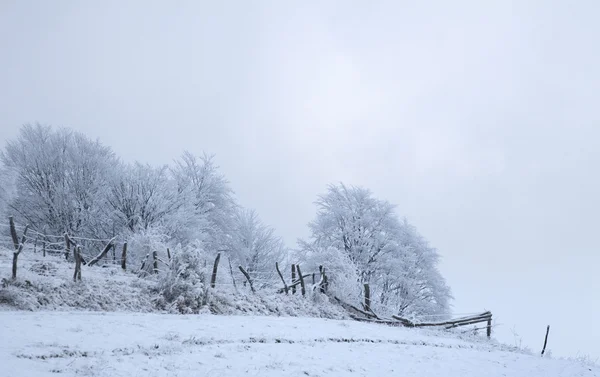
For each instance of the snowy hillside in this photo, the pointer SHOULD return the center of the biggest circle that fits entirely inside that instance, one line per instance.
(96, 344)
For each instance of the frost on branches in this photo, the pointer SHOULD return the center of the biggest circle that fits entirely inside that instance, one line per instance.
(363, 241)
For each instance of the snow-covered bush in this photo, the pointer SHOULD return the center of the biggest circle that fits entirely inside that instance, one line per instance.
(184, 287)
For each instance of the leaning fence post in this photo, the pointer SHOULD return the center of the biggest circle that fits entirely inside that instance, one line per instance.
(213, 278)
(285, 287)
(301, 280)
(231, 272)
(546, 340)
(124, 257)
(293, 278)
(247, 278)
(367, 298)
(169, 254)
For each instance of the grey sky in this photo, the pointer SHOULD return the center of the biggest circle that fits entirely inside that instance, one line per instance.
(480, 119)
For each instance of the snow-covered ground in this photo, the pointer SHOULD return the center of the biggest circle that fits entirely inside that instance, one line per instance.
(36, 344)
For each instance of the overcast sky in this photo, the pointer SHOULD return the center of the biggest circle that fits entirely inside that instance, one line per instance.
(479, 119)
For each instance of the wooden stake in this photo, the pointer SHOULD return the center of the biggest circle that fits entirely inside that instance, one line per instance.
(293, 278)
(367, 298)
(231, 272)
(102, 253)
(13, 232)
(124, 257)
(77, 256)
(546, 340)
(155, 258)
(301, 280)
(17, 252)
(247, 278)
(67, 246)
(282, 279)
(213, 278)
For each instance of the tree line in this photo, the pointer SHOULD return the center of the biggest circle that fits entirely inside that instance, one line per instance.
(60, 181)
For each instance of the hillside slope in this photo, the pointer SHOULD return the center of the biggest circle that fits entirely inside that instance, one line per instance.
(43, 344)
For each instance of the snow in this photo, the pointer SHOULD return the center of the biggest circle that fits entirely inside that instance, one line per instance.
(145, 344)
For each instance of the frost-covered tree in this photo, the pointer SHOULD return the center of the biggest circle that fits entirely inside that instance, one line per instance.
(207, 207)
(60, 180)
(142, 196)
(384, 252)
(255, 246)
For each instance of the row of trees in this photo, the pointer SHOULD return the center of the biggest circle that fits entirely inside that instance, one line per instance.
(58, 181)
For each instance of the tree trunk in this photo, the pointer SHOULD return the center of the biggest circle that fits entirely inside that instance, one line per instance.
(44, 248)
(213, 278)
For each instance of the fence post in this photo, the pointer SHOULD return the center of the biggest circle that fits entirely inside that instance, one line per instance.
(13, 232)
(169, 254)
(367, 298)
(282, 279)
(155, 258)
(102, 253)
(17, 252)
(77, 255)
(142, 268)
(301, 280)
(124, 257)
(231, 272)
(546, 340)
(67, 246)
(489, 327)
(35, 245)
(293, 278)
(213, 278)
(247, 278)
(44, 248)
(323, 287)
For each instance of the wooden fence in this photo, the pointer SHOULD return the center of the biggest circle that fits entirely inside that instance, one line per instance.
(299, 281)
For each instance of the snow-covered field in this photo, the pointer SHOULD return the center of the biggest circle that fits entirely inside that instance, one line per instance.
(36, 344)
